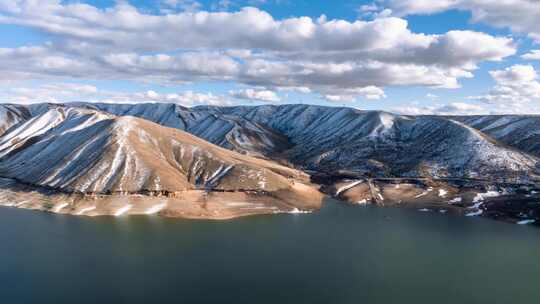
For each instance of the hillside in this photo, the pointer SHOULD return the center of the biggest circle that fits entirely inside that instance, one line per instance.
(222, 162)
(385, 144)
(332, 139)
(519, 131)
(88, 151)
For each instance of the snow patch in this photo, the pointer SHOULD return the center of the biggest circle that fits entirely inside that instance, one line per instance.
(234, 204)
(123, 210)
(476, 213)
(423, 194)
(362, 202)
(60, 207)
(482, 196)
(87, 209)
(455, 200)
(155, 209)
(298, 211)
(442, 193)
(476, 205)
(348, 186)
(218, 174)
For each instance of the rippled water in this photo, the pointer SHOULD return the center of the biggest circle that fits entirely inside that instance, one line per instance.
(342, 254)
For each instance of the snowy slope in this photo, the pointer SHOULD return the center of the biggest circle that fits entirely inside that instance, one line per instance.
(331, 139)
(521, 132)
(385, 144)
(228, 131)
(84, 150)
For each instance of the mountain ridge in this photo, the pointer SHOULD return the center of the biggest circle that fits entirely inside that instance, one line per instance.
(319, 137)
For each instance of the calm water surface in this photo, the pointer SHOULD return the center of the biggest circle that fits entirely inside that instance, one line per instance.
(342, 254)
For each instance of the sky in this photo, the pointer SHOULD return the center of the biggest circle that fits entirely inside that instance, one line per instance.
(404, 56)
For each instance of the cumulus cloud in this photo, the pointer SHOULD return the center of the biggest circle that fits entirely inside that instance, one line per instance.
(370, 93)
(454, 108)
(53, 92)
(407, 7)
(68, 92)
(187, 98)
(521, 16)
(125, 28)
(256, 94)
(337, 59)
(515, 86)
(516, 91)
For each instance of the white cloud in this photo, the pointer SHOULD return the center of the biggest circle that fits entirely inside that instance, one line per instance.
(369, 8)
(127, 28)
(521, 16)
(460, 108)
(373, 11)
(256, 94)
(517, 91)
(334, 58)
(187, 98)
(516, 86)
(69, 92)
(53, 92)
(454, 108)
(532, 55)
(303, 90)
(370, 93)
(407, 7)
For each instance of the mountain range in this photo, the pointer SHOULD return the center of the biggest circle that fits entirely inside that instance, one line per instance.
(89, 149)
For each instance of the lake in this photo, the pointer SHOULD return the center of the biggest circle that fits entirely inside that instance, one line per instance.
(342, 254)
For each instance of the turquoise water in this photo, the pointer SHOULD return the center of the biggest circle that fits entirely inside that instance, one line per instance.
(343, 254)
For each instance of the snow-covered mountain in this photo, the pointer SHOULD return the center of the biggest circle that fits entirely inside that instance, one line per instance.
(223, 162)
(385, 144)
(89, 151)
(228, 131)
(333, 139)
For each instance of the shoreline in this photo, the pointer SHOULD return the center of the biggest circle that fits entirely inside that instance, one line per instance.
(509, 202)
(191, 204)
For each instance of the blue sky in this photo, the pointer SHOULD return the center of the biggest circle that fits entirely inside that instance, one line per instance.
(452, 56)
